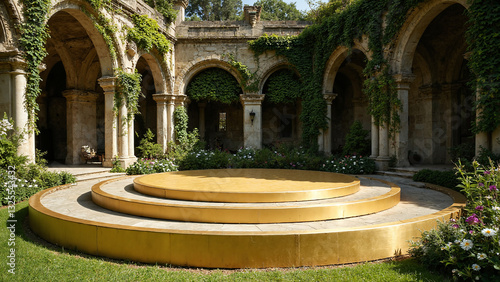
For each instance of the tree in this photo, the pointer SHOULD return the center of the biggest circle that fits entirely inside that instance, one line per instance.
(214, 10)
(278, 10)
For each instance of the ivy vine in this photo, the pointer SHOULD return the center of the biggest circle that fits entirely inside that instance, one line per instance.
(276, 93)
(483, 38)
(214, 84)
(146, 34)
(34, 34)
(128, 91)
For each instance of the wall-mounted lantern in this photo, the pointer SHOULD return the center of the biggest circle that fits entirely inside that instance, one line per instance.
(252, 116)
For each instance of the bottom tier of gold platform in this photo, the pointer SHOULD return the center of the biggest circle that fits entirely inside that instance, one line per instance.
(219, 249)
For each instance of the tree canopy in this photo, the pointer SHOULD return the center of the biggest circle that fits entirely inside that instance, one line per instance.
(214, 10)
(278, 10)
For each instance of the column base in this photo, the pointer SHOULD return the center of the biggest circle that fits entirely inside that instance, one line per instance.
(124, 162)
(382, 163)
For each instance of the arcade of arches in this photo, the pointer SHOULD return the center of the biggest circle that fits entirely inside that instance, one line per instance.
(428, 60)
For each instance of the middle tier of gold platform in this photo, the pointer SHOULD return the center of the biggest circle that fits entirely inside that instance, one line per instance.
(247, 185)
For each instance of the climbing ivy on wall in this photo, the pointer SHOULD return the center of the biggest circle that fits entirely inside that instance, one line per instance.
(483, 38)
(34, 34)
(146, 34)
(128, 91)
(276, 93)
(216, 85)
(165, 8)
(309, 53)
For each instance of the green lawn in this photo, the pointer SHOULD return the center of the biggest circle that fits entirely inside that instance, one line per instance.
(37, 262)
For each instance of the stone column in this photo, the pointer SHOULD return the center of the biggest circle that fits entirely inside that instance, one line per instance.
(403, 82)
(20, 115)
(110, 121)
(131, 144)
(162, 119)
(123, 135)
(201, 108)
(252, 119)
(325, 136)
(80, 123)
(382, 160)
(375, 139)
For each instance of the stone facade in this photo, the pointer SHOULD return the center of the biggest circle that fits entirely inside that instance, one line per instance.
(428, 59)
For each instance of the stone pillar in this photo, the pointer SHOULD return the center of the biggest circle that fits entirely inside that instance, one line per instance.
(20, 115)
(110, 121)
(80, 122)
(123, 136)
(252, 119)
(383, 158)
(161, 119)
(375, 139)
(403, 82)
(131, 144)
(325, 136)
(201, 108)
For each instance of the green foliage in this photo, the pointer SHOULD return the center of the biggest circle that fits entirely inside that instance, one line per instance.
(211, 10)
(148, 148)
(468, 247)
(117, 167)
(9, 142)
(102, 24)
(185, 141)
(279, 10)
(146, 34)
(214, 84)
(357, 140)
(349, 165)
(283, 86)
(483, 39)
(148, 166)
(204, 159)
(464, 151)
(445, 178)
(128, 90)
(165, 7)
(34, 34)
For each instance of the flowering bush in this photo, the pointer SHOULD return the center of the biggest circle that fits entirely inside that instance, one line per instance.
(468, 247)
(205, 159)
(349, 165)
(148, 166)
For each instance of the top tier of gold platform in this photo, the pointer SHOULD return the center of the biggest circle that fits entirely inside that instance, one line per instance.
(247, 185)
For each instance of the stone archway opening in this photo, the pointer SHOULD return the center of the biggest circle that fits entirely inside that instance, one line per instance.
(147, 116)
(350, 105)
(219, 120)
(440, 101)
(74, 68)
(280, 117)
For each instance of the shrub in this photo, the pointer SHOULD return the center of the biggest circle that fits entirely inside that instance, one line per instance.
(205, 159)
(356, 140)
(446, 178)
(148, 148)
(349, 165)
(148, 166)
(468, 247)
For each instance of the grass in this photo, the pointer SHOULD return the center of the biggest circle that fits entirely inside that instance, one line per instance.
(37, 260)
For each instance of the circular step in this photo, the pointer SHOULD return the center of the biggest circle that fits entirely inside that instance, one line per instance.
(247, 185)
(118, 195)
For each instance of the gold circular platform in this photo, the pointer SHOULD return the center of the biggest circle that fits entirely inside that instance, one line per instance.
(247, 185)
(105, 195)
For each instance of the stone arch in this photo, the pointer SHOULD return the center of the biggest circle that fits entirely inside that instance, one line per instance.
(108, 64)
(265, 74)
(159, 70)
(198, 65)
(9, 24)
(413, 29)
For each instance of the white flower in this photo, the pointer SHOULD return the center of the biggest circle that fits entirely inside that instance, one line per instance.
(476, 267)
(481, 256)
(488, 232)
(495, 208)
(466, 244)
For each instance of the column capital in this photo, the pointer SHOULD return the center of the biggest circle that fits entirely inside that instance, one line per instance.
(252, 99)
(403, 80)
(163, 97)
(329, 97)
(76, 95)
(107, 83)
